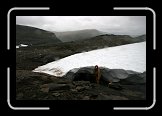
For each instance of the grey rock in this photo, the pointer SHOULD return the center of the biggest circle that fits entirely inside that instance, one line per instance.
(107, 76)
(80, 88)
(85, 74)
(114, 75)
(134, 79)
(56, 94)
(71, 74)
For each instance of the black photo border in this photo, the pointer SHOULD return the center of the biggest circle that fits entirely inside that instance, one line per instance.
(147, 104)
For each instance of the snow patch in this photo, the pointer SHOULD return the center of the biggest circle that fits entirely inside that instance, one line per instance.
(128, 57)
(21, 45)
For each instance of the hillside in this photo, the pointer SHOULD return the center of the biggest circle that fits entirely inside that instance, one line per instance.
(97, 42)
(68, 36)
(34, 36)
(140, 38)
(108, 40)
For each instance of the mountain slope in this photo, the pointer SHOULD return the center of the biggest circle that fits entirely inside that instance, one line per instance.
(30, 35)
(140, 38)
(109, 40)
(128, 57)
(97, 42)
(77, 35)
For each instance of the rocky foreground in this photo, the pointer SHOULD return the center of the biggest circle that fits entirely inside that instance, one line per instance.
(79, 84)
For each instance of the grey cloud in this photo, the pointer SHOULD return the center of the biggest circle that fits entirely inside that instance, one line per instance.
(132, 25)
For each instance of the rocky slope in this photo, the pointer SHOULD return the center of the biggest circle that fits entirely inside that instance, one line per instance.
(140, 38)
(69, 36)
(34, 36)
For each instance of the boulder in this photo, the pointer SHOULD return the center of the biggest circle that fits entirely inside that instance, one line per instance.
(134, 79)
(107, 76)
(114, 75)
(71, 74)
(85, 74)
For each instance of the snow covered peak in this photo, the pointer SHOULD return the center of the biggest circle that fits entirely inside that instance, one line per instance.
(128, 57)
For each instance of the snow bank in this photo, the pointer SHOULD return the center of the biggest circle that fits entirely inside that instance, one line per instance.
(128, 57)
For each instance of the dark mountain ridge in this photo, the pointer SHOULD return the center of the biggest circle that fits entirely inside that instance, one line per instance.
(34, 36)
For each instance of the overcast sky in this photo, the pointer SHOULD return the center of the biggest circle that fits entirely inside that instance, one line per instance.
(130, 25)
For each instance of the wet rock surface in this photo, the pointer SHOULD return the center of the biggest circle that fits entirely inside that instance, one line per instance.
(38, 86)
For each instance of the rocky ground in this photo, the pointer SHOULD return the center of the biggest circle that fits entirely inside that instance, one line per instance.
(38, 86)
